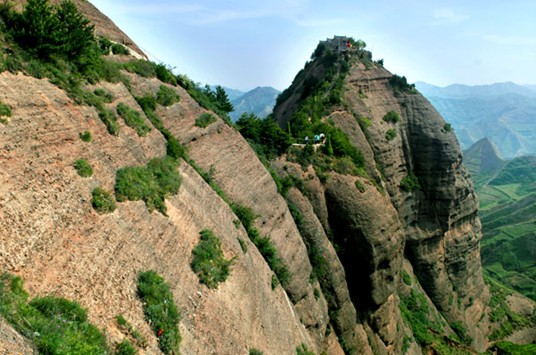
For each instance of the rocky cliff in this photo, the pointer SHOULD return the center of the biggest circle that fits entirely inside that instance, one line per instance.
(367, 248)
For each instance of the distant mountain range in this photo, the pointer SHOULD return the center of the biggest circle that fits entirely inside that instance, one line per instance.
(503, 112)
(259, 101)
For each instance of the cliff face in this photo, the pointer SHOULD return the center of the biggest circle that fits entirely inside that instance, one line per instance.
(358, 240)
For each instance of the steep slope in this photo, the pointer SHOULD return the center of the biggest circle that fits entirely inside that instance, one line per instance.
(434, 226)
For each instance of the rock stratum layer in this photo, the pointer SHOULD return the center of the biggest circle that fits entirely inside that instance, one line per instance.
(371, 239)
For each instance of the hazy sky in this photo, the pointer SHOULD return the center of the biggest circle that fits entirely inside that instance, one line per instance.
(247, 43)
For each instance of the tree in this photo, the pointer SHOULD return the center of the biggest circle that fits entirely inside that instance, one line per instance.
(74, 34)
(222, 101)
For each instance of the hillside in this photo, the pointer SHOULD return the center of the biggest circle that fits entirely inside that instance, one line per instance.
(259, 101)
(507, 194)
(504, 113)
(136, 218)
(483, 161)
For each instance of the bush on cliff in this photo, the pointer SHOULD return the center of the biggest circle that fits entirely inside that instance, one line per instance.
(208, 261)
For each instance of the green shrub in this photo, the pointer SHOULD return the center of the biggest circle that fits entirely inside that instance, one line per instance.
(360, 186)
(208, 261)
(364, 122)
(104, 94)
(125, 348)
(205, 120)
(133, 119)
(400, 84)
(390, 134)
(118, 48)
(160, 310)
(141, 67)
(109, 119)
(83, 168)
(61, 325)
(254, 351)
(152, 184)
(391, 117)
(406, 278)
(166, 96)
(243, 244)
(447, 127)
(85, 136)
(102, 201)
(5, 110)
(410, 183)
(165, 74)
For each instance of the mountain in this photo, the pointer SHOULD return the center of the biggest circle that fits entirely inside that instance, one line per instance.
(502, 112)
(507, 199)
(483, 161)
(133, 218)
(259, 101)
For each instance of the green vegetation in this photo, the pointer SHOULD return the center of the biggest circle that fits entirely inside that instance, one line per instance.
(208, 261)
(118, 48)
(427, 329)
(86, 136)
(390, 134)
(55, 325)
(152, 183)
(102, 201)
(410, 183)
(447, 127)
(269, 138)
(400, 85)
(83, 168)
(131, 331)
(507, 348)
(5, 111)
(391, 117)
(133, 119)
(303, 350)
(254, 351)
(505, 320)
(263, 244)
(204, 120)
(360, 186)
(166, 96)
(104, 94)
(109, 119)
(160, 310)
(406, 278)
(508, 215)
(125, 348)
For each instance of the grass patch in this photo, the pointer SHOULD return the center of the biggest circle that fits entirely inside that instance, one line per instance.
(5, 110)
(85, 136)
(83, 168)
(131, 331)
(208, 261)
(204, 120)
(56, 325)
(104, 94)
(151, 183)
(102, 201)
(109, 119)
(133, 119)
(125, 347)
(160, 310)
(166, 96)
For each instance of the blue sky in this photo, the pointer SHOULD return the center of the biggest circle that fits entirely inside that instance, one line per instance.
(247, 43)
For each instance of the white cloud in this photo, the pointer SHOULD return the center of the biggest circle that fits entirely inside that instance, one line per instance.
(448, 16)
